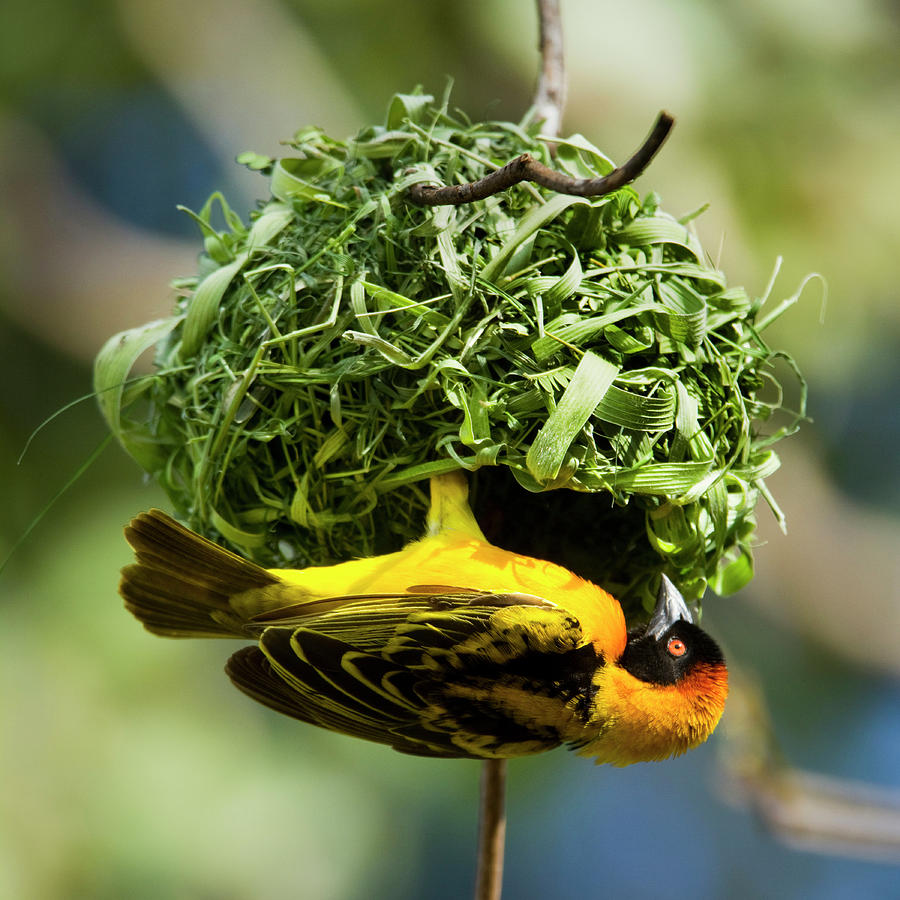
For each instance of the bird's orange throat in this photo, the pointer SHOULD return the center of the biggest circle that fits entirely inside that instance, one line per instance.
(644, 722)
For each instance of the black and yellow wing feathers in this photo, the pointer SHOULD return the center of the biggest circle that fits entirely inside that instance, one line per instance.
(457, 674)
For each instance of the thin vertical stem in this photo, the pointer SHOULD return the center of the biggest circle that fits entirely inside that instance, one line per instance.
(491, 830)
(550, 96)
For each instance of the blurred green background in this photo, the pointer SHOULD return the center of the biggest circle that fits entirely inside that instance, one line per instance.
(130, 767)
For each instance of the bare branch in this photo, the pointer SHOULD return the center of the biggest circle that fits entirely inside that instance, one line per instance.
(491, 830)
(527, 168)
(550, 95)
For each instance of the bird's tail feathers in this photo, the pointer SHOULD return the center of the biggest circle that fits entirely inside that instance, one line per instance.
(183, 585)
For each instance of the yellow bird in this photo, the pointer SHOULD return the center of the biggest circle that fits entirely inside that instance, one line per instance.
(450, 647)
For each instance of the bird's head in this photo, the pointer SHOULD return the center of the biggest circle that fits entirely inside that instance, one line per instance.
(666, 692)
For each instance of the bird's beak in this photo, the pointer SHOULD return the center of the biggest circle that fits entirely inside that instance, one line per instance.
(670, 607)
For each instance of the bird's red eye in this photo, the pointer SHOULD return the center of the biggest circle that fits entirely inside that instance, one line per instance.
(676, 647)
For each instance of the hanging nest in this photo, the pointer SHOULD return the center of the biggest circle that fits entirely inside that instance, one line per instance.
(582, 357)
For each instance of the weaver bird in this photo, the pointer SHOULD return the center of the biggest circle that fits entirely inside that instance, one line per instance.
(450, 647)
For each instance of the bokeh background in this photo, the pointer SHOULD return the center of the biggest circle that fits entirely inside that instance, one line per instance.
(130, 767)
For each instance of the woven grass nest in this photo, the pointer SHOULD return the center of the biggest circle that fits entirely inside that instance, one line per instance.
(582, 358)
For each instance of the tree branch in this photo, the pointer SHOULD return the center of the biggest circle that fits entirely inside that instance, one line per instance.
(527, 168)
(550, 95)
(491, 830)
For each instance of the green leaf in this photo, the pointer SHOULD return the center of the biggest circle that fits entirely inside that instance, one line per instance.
(685, 321)
(637, 411)
(528, 225)
(642, 339)
(687, 424)
(235, 535)
(574, 330)
(476, 427)
(660, 478)
(111, 368)
(391, 301)
(592, 379)
(732, 577)
(556, 290)
(204, 306)
(578, 157)
(256, 162)
(459, 284)
(419, 473)
(659, 229)
(388, 350)
(288, 184)
(383, 144)
(273, 220)
(358, 305)
(414, 107)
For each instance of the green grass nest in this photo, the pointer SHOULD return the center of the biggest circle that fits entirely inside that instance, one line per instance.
(346, 345)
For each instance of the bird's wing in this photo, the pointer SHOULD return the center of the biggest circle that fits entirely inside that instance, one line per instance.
(461, 674)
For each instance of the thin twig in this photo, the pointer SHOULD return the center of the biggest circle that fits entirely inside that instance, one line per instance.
(550, 95)
(491, 830)
(527, 168)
